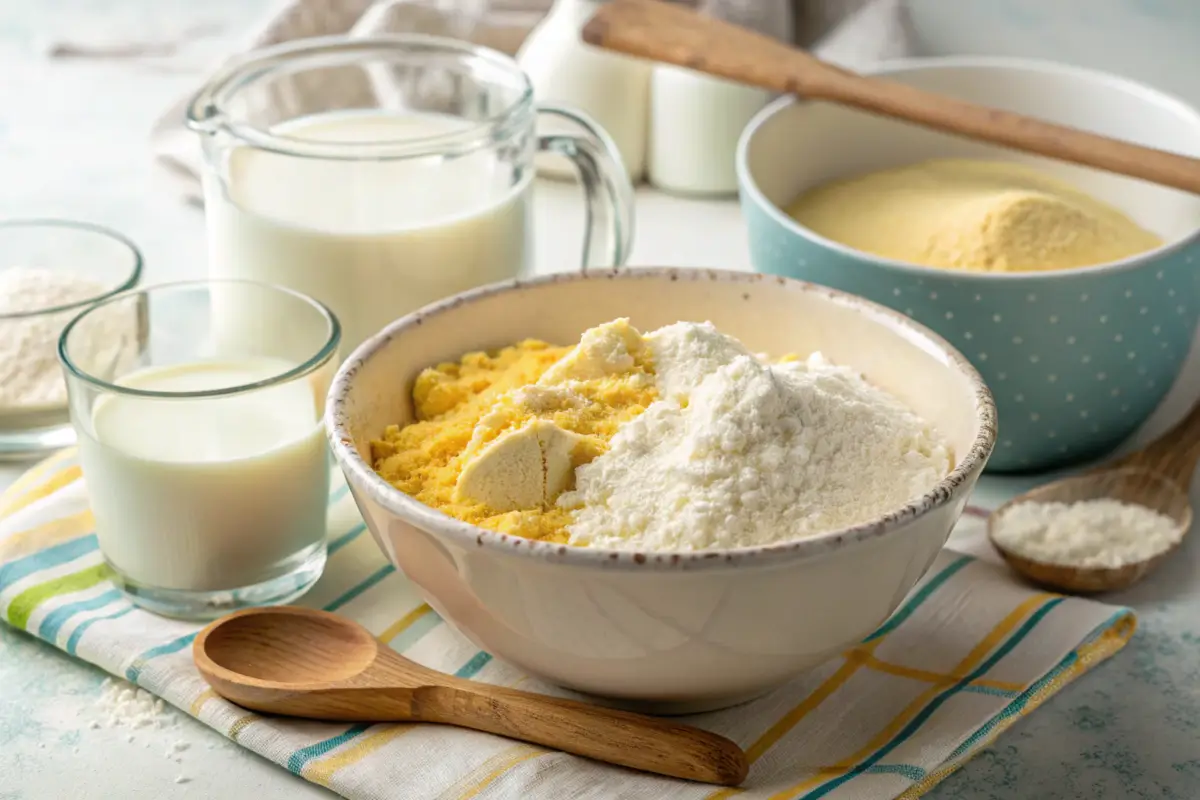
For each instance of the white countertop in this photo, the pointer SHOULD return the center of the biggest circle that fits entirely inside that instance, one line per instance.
(73, 143)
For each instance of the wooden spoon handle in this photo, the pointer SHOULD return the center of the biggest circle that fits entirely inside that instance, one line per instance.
(615, 737)
(676, 35)
(1173, 455)
(1014, 131)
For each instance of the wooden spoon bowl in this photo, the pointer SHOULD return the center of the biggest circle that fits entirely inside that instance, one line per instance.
(1131, 485)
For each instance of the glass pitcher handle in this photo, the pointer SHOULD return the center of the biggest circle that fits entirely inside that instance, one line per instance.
(607, 192)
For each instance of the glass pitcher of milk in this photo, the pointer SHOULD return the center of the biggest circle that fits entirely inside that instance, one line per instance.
(377, 175)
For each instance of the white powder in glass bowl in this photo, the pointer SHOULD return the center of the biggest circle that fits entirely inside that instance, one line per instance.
(30, 375)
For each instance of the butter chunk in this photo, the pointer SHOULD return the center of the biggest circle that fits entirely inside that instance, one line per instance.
(525, 468)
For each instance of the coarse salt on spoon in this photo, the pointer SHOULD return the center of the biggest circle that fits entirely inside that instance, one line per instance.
(1155, 477)
(675, 35)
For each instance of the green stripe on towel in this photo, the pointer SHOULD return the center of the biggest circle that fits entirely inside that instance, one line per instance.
(24, 604)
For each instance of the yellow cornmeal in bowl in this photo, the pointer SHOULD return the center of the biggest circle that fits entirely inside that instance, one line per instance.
(976, 216)
(672, 440)
(462, 407)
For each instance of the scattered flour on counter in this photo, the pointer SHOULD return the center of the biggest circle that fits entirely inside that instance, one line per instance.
(1093, 533)
(742, 453)
(126, 706)
(123, 705)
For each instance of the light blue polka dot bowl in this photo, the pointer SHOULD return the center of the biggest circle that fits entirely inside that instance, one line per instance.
(1076, 359)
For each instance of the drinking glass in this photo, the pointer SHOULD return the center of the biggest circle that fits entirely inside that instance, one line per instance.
(202, 444)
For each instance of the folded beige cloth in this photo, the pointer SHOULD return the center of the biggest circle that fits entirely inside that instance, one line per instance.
(853, 33)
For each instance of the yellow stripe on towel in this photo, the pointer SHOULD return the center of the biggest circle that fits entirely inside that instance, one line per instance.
(240, 724)
(32, 476)
(58, 480)
(964, 667)
(321, 771)
(499, 765)
(198, 703)
(1088, 655)
(934, 677)
(399, 626)
(855, 660)
(50, 533)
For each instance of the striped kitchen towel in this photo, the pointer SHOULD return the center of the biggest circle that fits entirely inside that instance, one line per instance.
(968, 654)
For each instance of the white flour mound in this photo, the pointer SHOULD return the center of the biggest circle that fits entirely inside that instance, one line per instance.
(30, 375)
(1093, 533)
(740, 453)
(686, 353)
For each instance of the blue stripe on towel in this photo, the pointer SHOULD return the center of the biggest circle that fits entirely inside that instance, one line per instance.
(991, 690)
(363, 586)
(472, 667)
(298, 759)
(920, 597)
(346, 538)
(45, 559)
(1017, 706)
(54, 621)
(174, 646)
(77, 634)
(914, 774)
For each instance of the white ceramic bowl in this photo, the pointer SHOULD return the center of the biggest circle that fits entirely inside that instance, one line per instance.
(664, 631)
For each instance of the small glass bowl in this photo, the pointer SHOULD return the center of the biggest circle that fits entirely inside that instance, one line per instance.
(33, 399)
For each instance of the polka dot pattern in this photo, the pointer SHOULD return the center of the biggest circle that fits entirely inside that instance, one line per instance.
(1076, 361)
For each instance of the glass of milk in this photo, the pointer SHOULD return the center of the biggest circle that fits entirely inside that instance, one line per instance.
(202, 445)
(377, 175)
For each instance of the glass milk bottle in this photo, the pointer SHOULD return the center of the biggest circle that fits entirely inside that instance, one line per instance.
(377, 175)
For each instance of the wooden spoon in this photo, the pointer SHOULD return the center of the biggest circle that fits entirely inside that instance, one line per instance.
(676, 35)
(303, 663)
(1157, 477)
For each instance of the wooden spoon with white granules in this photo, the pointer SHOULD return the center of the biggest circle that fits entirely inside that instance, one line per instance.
(1156, 477)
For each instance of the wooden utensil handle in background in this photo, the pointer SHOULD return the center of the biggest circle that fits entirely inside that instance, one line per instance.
(616, 737)
(675, 35)
(1173, 455)
(1013, 130)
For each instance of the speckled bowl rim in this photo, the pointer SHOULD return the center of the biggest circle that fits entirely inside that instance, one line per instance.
(363, 478)
(1182, 109)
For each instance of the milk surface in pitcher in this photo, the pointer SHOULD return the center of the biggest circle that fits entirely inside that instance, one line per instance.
(373, 239)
